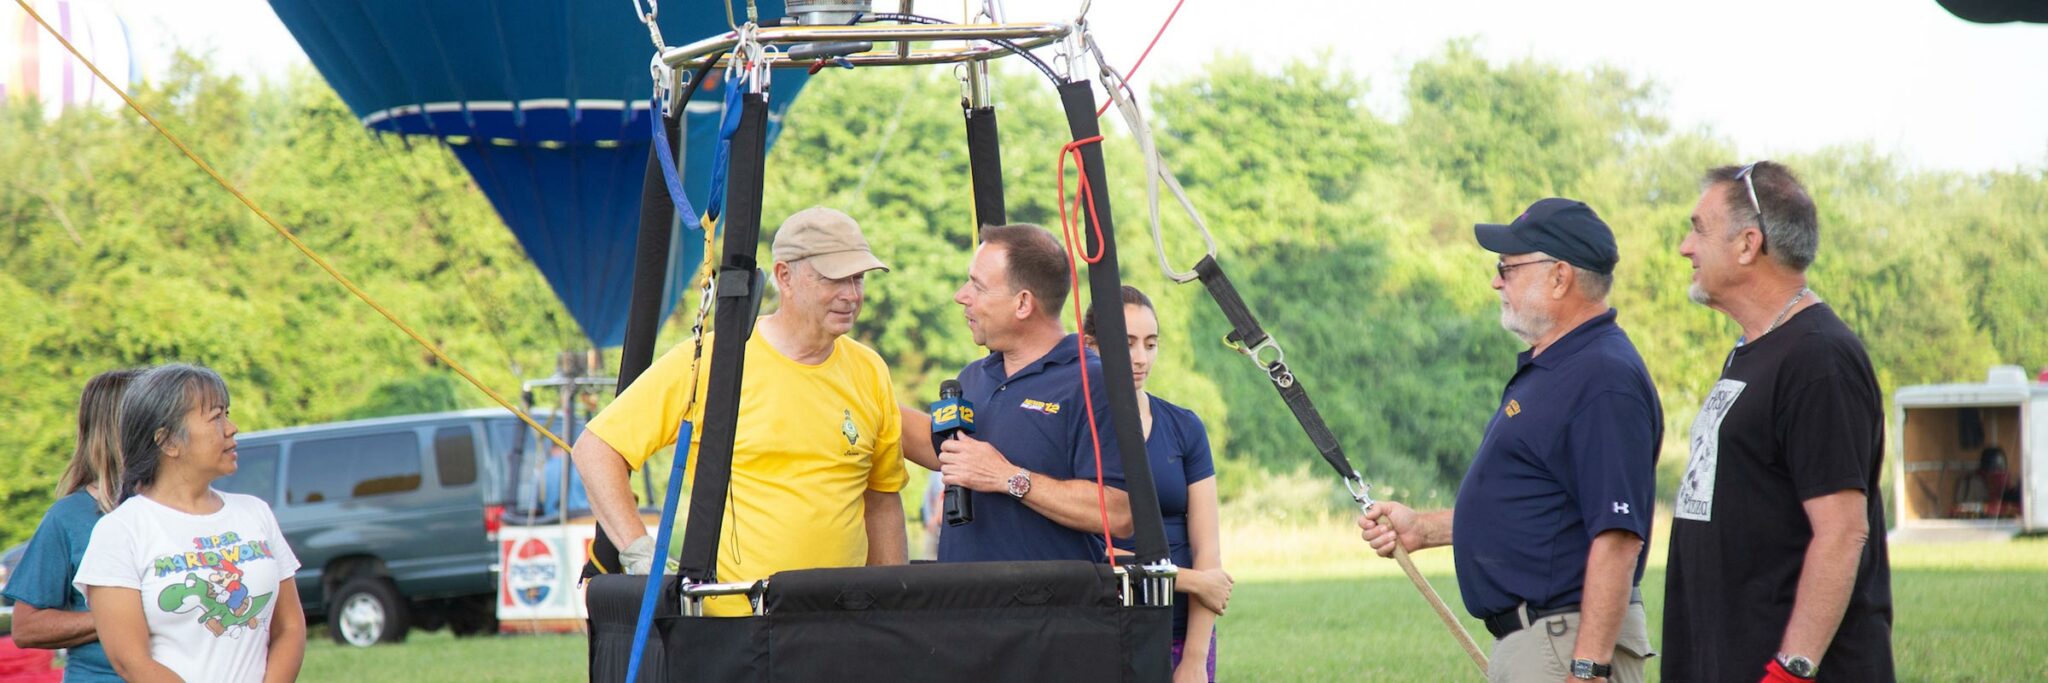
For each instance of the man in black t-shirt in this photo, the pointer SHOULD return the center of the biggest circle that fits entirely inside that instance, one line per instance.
(1778, 569)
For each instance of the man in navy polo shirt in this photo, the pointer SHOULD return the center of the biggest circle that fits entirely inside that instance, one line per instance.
(1553, 517)
(1032, 461)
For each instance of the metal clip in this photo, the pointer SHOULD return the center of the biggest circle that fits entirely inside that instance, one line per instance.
(1275, 369)
(1360, 492)
(653, 27)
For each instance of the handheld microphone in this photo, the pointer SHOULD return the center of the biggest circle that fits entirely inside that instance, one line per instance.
(953, 415)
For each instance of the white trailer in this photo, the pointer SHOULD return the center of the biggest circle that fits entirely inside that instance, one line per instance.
(1971, 460)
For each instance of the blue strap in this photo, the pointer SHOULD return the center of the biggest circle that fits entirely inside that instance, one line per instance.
(721, 161)
(669, 174)
(652, 594)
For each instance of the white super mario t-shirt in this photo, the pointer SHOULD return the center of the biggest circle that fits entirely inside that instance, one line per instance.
(208, 582)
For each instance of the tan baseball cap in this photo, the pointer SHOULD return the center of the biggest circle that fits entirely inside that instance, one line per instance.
(830, 239)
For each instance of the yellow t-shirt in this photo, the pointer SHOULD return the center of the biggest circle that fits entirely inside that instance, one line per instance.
(811, 440)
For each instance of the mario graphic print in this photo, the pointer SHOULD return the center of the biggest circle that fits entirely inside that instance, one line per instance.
(213, 591)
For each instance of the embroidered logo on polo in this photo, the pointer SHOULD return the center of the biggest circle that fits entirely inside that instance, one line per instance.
(850, 430)
(1514, 408)
(1037, 406)
(1695, 500)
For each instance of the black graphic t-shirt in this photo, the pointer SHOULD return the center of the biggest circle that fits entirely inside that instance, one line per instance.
(1795, 416)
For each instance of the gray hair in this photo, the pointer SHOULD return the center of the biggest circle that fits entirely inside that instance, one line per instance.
(1594, 285)
(1790, 225)
(153, 414)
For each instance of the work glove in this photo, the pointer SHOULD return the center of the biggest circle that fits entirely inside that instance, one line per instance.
(638, 557)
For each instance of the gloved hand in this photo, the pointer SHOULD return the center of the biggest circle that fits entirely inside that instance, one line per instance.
(638, 557)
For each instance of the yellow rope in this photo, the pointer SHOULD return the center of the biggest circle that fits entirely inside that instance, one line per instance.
(287, 234)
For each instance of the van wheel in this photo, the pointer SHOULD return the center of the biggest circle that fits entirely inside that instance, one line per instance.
(368, 611)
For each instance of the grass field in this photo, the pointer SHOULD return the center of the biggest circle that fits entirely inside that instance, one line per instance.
(1313, 605)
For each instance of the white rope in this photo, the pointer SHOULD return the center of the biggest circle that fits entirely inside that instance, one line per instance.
(1155, 166)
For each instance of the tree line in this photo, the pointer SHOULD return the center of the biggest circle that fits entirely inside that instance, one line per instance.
(1348, 231)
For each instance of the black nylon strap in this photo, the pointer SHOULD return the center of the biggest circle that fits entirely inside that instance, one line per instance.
(985, 164)
(1106, 292)
(739, 280)
(643, 317)
(1245, 331)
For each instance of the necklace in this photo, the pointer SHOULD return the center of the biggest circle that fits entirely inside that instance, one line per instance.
(1780, 320)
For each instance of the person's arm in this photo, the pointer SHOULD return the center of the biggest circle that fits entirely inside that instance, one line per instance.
(1840, 529)
(917, 438)
(1204, 538)
(1417, 530)
(1071, 503)
(287, 635)
(124, 634)
(606, 480)
(50, 629)
(888, 542)
(1610, 572)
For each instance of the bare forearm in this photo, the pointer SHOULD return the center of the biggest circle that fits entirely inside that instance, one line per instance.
(287, 653)
(1072, 503)
(49, 629)
(1610, 570)
(1201, 623)
(917, 439)
(606, 480)
(1825, 583)
(1434, 527)
(888, 542)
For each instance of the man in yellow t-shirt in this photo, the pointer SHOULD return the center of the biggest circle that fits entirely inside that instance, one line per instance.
(818, 458)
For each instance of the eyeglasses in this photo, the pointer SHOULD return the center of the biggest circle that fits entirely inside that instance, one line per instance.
(1747, 175)
(1501, 268)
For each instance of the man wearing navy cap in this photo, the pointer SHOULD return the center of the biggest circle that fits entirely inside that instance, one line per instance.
(1553, 517)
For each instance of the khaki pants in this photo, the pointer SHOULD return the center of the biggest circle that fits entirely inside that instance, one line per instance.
(1543, 651)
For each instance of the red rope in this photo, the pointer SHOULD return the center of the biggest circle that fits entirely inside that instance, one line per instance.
(1085, 193)
(1133, 73)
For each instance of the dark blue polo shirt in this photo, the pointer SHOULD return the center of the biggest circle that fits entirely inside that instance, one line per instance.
(1038, 419)
(1570, 452)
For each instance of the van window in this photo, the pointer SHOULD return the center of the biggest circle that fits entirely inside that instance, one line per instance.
(455, 456)
(329, 470)
(255, 473)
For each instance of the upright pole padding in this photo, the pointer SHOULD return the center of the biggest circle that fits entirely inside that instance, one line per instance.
(738, 294)
(650, 287)
(985, 164)
(1106, 294)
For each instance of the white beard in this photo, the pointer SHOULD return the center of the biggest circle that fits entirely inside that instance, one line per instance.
(1528, 327)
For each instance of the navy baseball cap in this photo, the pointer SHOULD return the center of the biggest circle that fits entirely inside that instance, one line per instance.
(1563, 228)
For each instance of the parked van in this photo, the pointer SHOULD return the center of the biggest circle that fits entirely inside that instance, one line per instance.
(393, 519)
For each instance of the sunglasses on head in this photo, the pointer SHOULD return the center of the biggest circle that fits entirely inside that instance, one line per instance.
(1747, 175)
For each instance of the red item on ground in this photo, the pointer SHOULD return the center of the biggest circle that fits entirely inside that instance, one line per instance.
(20, 665)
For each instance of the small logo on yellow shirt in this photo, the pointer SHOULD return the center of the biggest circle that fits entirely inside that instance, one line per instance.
(1046, 407)
(1514, 408)
(851, 430)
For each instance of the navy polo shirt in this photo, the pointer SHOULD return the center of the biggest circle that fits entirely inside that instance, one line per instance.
(1570, 453)
(1038, 419)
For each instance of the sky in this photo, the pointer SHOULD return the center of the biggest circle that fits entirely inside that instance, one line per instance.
(1772, 76)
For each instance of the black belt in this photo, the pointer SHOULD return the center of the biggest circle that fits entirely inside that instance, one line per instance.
(1500, 625)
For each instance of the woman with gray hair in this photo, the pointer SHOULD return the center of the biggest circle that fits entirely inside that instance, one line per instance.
(187, 583)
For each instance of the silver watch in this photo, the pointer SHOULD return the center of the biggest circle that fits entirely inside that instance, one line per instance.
(1797, 665)
(1020, 484)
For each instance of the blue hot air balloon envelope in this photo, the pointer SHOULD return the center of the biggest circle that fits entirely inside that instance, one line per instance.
(545, 102)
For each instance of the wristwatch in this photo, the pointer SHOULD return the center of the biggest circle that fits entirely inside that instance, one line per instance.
(1586, 670)
(1797, 665)
(1020, 484)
